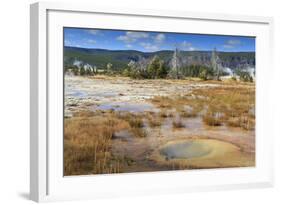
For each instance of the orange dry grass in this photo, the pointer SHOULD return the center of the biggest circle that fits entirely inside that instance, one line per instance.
(136, 123)
(87, 144)
(154, 120)
(178, 103)
(88, 138)
(230, 105)
(188, 113)
(213, 119)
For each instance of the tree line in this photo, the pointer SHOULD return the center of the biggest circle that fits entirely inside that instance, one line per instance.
(156, 68)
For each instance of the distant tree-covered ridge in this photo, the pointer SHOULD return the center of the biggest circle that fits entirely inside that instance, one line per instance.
(160, 64)
(121, 58)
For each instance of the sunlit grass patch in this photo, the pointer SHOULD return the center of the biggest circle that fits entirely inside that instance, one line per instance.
(162, 101)
(244, 122)
(213, 118)
(165, 114)
(83, 113)
(188, 114)
(154, 119)
(154, 122)
(87, 144)
(135, 121)
(229, 100)
(230, 105)
(139, 132)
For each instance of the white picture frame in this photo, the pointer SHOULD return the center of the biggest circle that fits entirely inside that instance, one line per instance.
(46, 180)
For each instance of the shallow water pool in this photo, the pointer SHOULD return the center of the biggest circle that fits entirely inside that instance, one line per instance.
(129, 107)
(186, 150)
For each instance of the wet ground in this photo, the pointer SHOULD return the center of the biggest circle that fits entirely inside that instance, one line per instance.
(194, 145)
(104, 93)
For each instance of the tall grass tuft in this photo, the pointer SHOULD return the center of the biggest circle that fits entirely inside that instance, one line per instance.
(213, 118)
(87, 145)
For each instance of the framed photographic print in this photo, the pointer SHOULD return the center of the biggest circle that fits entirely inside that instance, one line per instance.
(127, 102)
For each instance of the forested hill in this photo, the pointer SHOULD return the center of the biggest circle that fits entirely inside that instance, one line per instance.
(120, 58)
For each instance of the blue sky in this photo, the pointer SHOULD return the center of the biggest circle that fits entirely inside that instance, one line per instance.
(154, 41)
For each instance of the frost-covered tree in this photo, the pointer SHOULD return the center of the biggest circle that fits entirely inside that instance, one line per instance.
(142, 64)
(132, 70)
(132, 65)
(137, 69)
(109, 67)
(95, 69)
(176, 63)
(216, 65)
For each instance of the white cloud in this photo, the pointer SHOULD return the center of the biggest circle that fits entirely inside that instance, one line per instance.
(232, 43)
(71, 43)
(131, 37)
(94, 32)
(128, 46)
(228, 46)
(159, 38)
(91, 41)
(67, 42)
(149, 46)
(186, 46)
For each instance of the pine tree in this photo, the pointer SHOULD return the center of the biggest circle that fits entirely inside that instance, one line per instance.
(154, 67)
(82, 71)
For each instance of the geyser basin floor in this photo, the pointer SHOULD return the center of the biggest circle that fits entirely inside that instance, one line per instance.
(186, 150)
(203, 153)
(117, 124)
